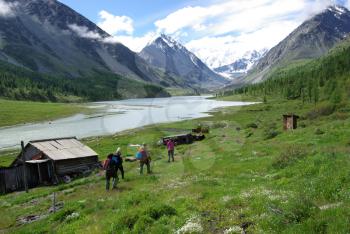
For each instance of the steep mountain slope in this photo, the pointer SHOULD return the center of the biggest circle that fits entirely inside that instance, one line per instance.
(48, 37)
(241, 66)
(173, 58)
(310, 40)
(323, 79)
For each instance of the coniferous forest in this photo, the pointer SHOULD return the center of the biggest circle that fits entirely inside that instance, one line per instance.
(21, 84)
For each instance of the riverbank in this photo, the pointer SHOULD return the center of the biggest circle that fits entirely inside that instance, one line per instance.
(22, 112)
(114, 116)
(248, 174)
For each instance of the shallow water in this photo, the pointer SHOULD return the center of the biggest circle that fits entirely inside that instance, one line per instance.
(114, 116)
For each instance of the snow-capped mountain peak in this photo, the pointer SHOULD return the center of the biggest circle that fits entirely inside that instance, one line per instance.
(164, 41)
(172, 57)
(242, 65)
(338, 10)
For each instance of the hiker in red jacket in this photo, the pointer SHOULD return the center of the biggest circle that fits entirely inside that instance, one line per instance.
(111, 172)
(171, 147)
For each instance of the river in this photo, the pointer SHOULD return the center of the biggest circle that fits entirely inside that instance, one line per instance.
(114, 116)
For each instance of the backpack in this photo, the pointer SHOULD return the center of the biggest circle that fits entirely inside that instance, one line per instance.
(107, 165)
(138, 155)
(115, 160)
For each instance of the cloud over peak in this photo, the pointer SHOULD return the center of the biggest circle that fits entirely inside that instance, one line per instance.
(84, 32)
(7, 9)
(114, 24)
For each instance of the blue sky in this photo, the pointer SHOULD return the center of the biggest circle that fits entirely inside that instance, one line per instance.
(217, 31)
(143, 12)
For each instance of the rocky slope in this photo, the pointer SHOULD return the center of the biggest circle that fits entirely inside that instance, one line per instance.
(311, 39)
(48, 37)
(173, 58)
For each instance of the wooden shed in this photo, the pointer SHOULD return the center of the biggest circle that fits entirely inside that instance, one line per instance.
(46, 161)
(290, 121)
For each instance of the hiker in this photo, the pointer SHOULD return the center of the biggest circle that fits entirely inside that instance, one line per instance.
(170, 146)
(144, 158)
(117, 157)
(111, 172)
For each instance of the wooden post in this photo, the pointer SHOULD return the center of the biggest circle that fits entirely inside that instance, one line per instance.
(54, 202)
(24, 168)
(40, 179)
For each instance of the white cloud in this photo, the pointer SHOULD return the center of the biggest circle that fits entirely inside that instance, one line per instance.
(348, 4)
(240, 15)
(221, 50)
(224, 31)
(7, 8)
(84, 32)
(134, 43)
(114, 24)
(192, 17)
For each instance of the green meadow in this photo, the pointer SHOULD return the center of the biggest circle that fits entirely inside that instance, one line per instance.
(248, 174)
(21, 112)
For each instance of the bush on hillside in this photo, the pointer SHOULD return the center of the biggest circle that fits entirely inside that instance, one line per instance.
(157, 211)
(270, 131)
(298, 210)
(252, 125)
(289, 156)
(323, 109)
(319, 132)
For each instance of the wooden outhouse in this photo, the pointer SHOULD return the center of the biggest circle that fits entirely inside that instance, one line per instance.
(46, 161)
(290, 121)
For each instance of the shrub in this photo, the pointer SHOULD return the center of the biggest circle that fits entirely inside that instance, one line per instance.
(270, 133)
(319, 132)
(252, 125)
(249, 134)
(302, 125)
(298, 210)
(142, 224)
(62, 215)
(129, 220)
(289, 157)
(324, 109)
(157, 211)
(216, 125)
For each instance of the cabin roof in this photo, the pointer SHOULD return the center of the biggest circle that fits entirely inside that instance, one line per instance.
(63, 148)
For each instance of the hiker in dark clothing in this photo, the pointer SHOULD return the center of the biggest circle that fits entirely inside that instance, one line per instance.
(111, 172)
(170, 147)
(119, 161)
(145, 159)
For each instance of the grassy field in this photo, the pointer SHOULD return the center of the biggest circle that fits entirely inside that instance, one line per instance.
(20, 112)
(248, 174)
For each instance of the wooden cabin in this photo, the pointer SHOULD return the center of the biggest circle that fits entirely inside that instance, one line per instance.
(290, 121)
(46, 161)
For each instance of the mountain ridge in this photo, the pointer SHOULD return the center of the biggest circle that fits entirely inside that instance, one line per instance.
(312, 39)
(172, 57)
